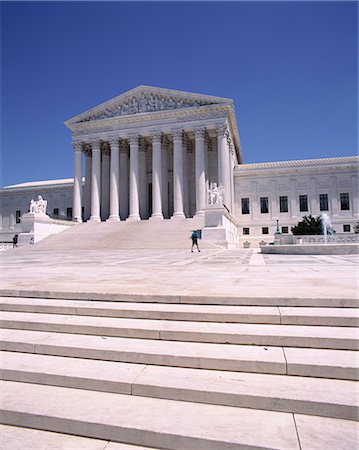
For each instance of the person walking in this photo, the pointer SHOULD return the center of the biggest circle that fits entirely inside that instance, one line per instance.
(15, 240)
(194, 238)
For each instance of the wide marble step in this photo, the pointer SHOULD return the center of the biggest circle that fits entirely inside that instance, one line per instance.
(245, 358)
(168, 424)
(304, 395)
(344, 338)
(19, 438)
(346, 317)
(310, 302)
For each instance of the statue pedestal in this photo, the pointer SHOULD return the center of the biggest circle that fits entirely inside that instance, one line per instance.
(219, 226)
(35, 227)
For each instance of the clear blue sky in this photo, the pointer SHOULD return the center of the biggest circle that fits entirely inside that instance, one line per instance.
(291, 68)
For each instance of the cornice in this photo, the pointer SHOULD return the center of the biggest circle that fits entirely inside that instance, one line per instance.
(299, 167)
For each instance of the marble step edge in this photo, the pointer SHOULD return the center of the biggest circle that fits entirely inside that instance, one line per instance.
(301, 395)
(207, 300)
(13, 438)
(336, 364)
(185, 312)
(341, 338)
(168, 424)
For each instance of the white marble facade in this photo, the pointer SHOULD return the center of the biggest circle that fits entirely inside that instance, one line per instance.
(152, 153)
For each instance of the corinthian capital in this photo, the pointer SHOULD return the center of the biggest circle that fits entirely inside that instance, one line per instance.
(96, 144)
(133, 140)
(222, 130)
(77, 146)
(199, 132)
(113, 142)
(156, 136)
(177, 135)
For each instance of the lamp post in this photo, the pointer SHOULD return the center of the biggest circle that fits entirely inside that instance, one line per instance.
(277, 234)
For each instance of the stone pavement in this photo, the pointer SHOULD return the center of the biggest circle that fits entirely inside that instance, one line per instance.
(222, 349)
(212, 272)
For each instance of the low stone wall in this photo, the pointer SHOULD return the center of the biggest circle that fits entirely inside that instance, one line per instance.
(338, 238)
(312, 249)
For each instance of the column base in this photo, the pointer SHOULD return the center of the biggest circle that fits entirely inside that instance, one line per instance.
(199, 213)
(156, 216)
(133, 218)
(178, 215)
(95, 219)
(113, 219)
(77, 219)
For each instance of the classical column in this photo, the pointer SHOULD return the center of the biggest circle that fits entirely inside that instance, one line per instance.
(105, 182)
(177, 174)
(87, 192)
(124, 180)
(114, 180)
(156, 177)
(200, 179)
(164, 163)
(222, 160)
(76, 205)
(185, 175)
(143, 179)
(95, 181)
(134, 184)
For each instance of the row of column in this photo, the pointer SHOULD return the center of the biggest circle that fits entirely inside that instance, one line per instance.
(118, 178)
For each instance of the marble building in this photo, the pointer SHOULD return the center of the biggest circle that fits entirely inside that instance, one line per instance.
(152, 153)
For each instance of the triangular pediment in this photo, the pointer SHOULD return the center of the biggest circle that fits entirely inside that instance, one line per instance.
(144, 100)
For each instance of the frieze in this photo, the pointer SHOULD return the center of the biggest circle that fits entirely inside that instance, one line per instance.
(144, 103)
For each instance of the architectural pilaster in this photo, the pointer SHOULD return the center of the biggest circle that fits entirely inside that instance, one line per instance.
(156, 177)
(87, 192)
(124, 180)
(114, 180)
(178, 174)
(76, 206)
(105, 181)
(200, 171)
(95, 181)
(134, 182)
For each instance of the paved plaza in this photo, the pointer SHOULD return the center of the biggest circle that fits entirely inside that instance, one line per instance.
(239, 273)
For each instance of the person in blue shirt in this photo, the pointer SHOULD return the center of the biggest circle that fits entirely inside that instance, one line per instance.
(194, 238)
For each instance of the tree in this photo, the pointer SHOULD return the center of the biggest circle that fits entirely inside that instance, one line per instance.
(309, 225)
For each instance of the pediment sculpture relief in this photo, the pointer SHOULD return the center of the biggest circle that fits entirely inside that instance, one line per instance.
(146, 102)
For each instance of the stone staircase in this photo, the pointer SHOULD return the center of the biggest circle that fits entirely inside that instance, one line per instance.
(124, 374)
(127, 235)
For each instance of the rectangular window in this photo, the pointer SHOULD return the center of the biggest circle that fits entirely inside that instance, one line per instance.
(303, 203)
(323, 202)
(346, 228)
(264, 205)
(344, 202)
(245, 205)
(284, 230)
(56, 212)
(265, 230)
(283, 203)
(17, 216)
(245, 230)
(69, 213)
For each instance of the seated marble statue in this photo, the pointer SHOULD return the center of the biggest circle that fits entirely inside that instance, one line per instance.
(215, 194)
(38, 206)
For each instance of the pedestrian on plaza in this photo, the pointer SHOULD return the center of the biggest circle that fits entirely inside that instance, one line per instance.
(194, 238)
(14, 240)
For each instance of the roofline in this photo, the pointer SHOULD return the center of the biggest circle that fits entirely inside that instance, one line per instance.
(145, 87)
